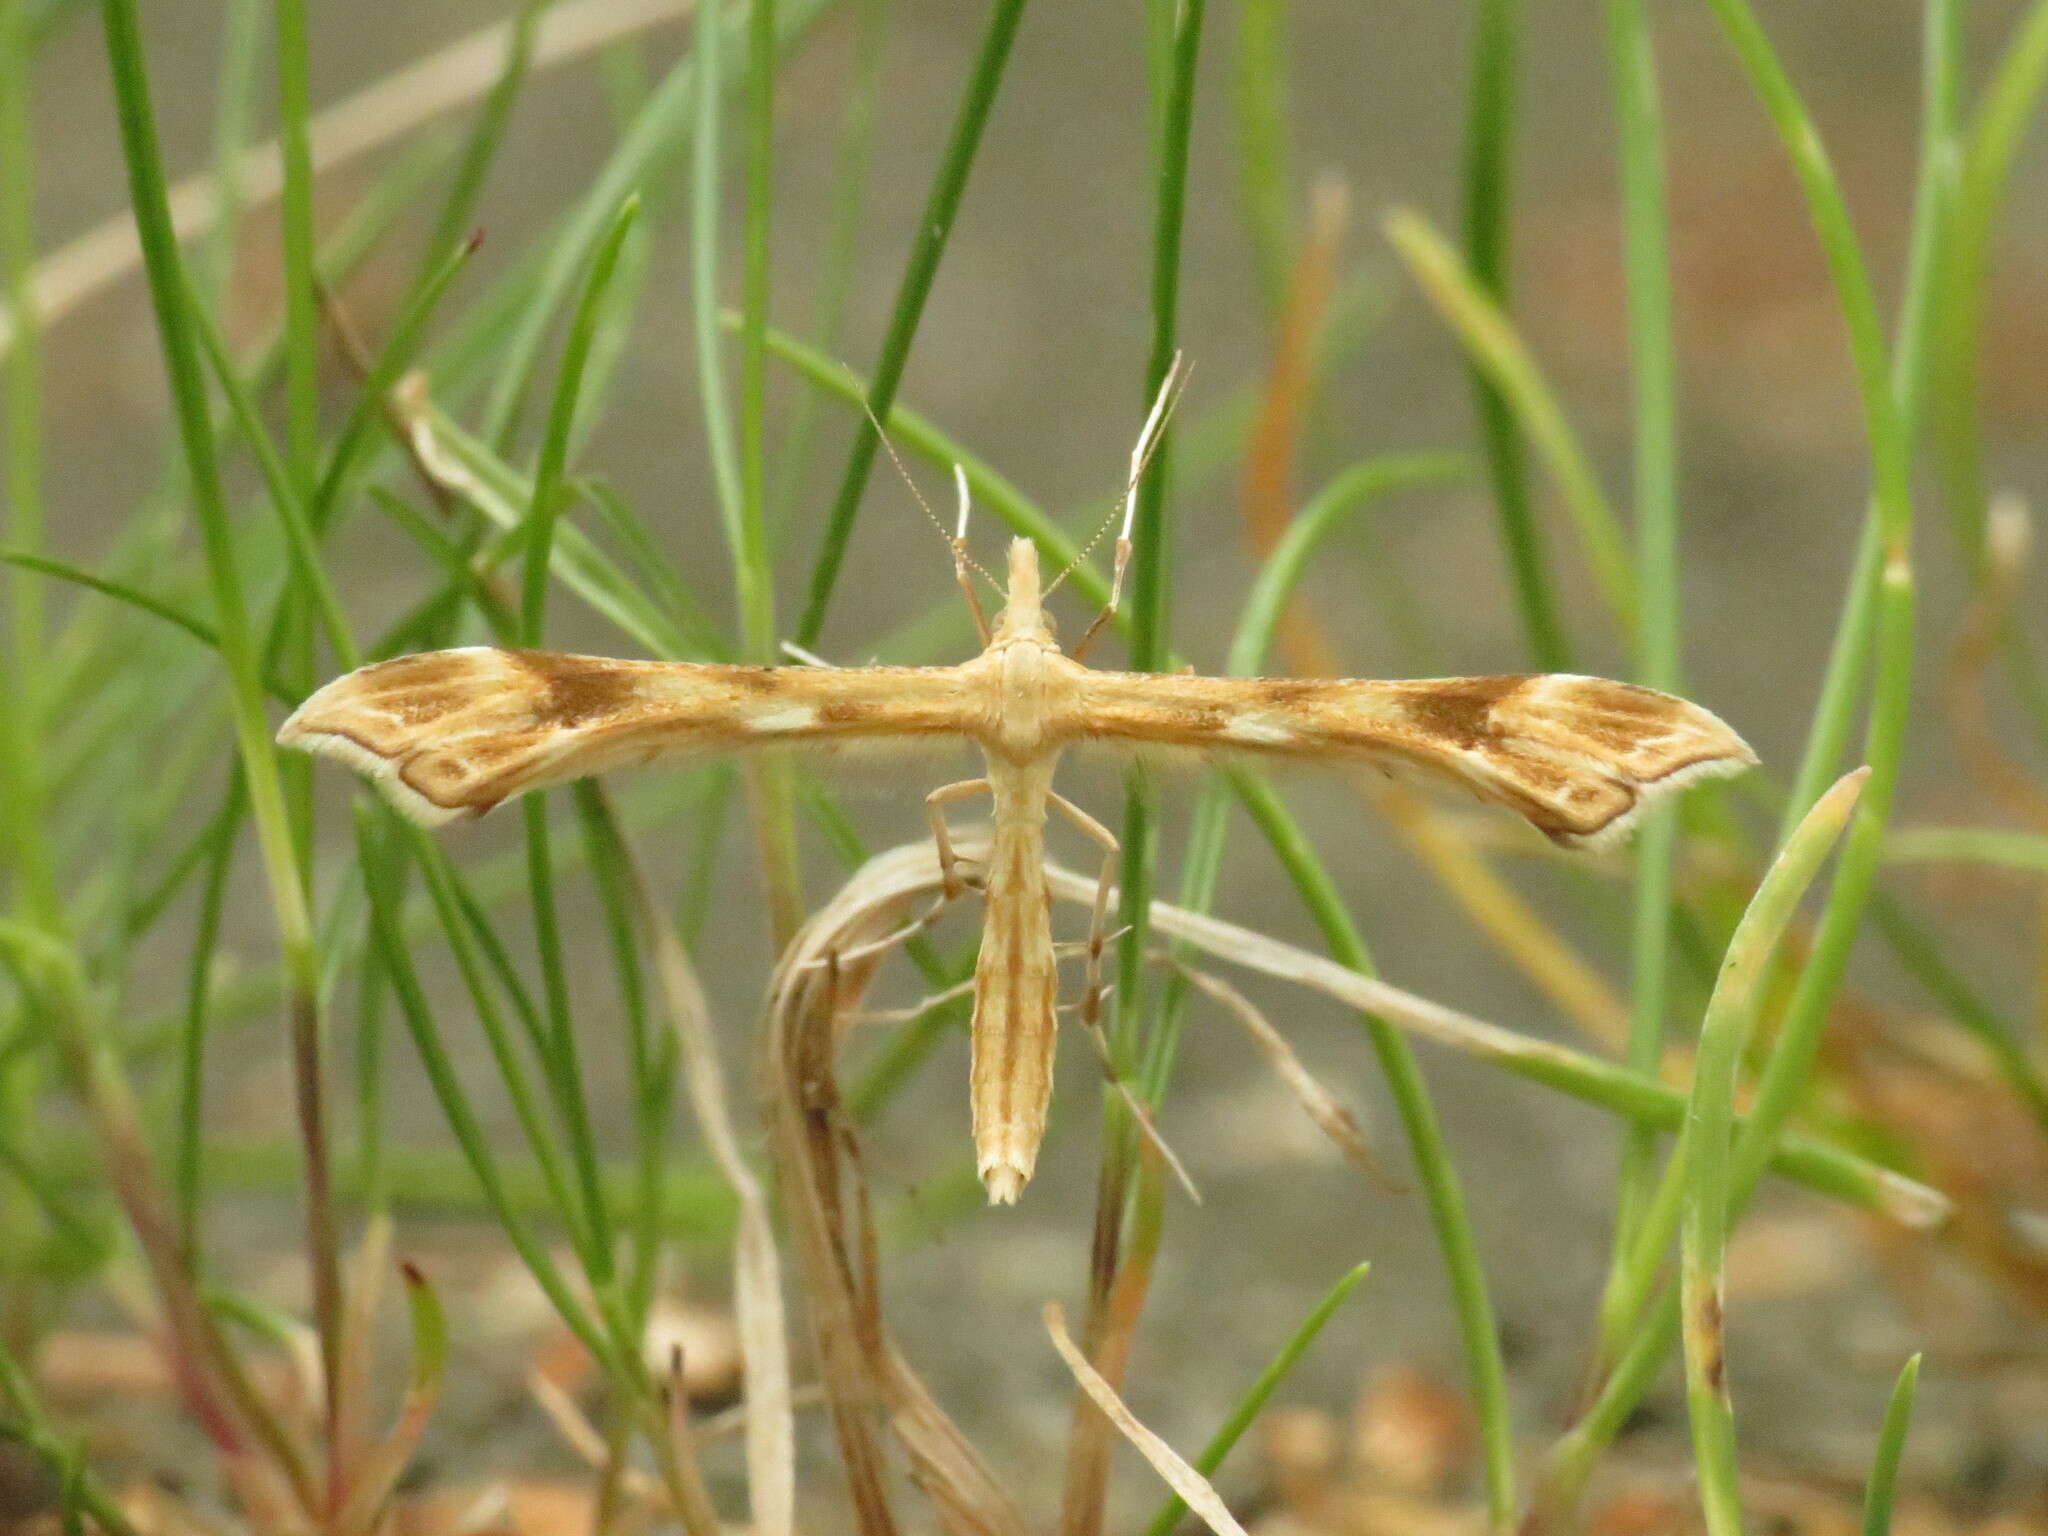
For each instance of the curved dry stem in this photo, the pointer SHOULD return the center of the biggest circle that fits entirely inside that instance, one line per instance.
(813, 998)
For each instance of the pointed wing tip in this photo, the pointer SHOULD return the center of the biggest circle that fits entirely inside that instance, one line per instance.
(1737, 759)
(380, 771)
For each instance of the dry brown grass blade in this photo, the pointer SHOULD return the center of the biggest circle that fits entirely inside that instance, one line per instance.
(380, 114)
(812, 1000)
(376, 1476)
(261, 1458)
(365, 1286)
(1116, 1302)
(1267, 490)
(698, 1515)
(757, 1272)
(1183, 1479)
(1331, 1117)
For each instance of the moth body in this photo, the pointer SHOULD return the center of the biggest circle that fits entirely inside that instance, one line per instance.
(1016, 985)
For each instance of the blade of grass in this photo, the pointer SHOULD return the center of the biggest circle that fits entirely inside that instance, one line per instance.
(234, 103)
(1709, 1126)
(1499, 352)
(1346, 494)
(1150, 547)
(561, 1061)
(1891, 1443)
(413, 1008)
(1261, 1391)
(663, 126)
(650, 1056)
(1265, 185)
(188, 1161)
(1987, 155)
(1488, 210)
(835, 262)
(550, 474)
(32, 882)
(1653, 376)
(301, 296)
(301, 540)
(741, 512)
(486, 136)
(260, 767)
(758, 617)
(373, 397)
(942, 205)
(1449, 1222)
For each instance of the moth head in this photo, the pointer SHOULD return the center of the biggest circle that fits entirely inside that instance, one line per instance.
(1024, 616)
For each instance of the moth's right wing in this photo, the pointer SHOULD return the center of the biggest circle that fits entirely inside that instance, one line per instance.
(1579, 757)
(449, 734)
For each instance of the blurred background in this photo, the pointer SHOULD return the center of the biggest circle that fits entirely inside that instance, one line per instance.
(1032, 351)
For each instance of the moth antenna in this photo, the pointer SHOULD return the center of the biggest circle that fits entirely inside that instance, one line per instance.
(1149, 438)
(956, 541)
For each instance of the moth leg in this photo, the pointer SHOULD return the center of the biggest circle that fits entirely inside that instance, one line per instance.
(1098, 927)
(890, 940)
(919, 1009)
(949, 861)
(1089, 1010)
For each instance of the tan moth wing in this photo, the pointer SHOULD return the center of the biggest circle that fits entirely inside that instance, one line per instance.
(449, 734)
(1579, 757)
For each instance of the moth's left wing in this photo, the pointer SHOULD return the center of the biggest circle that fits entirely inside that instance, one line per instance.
(448, 734)
(1579, 757)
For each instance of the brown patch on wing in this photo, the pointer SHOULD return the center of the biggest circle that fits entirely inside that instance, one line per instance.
(1459, 710)
(573, 691)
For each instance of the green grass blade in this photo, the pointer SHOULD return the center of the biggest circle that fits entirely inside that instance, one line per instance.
(1254, 1401)
(1151, 549)
(168, 291)
(1477, 1327)
(22, 697)
(1653, 377)
(1265, 181)
(293, 516)
(1497, 350)
(1710, 1119)
(486, 136)
(1891, 1444)
(1488, 209)
(835, 262)
(551, 473)
(942, 204)
(379, 880)
(189, 1151)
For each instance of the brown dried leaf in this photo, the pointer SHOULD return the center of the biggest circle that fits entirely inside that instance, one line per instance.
(1183, 1479)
